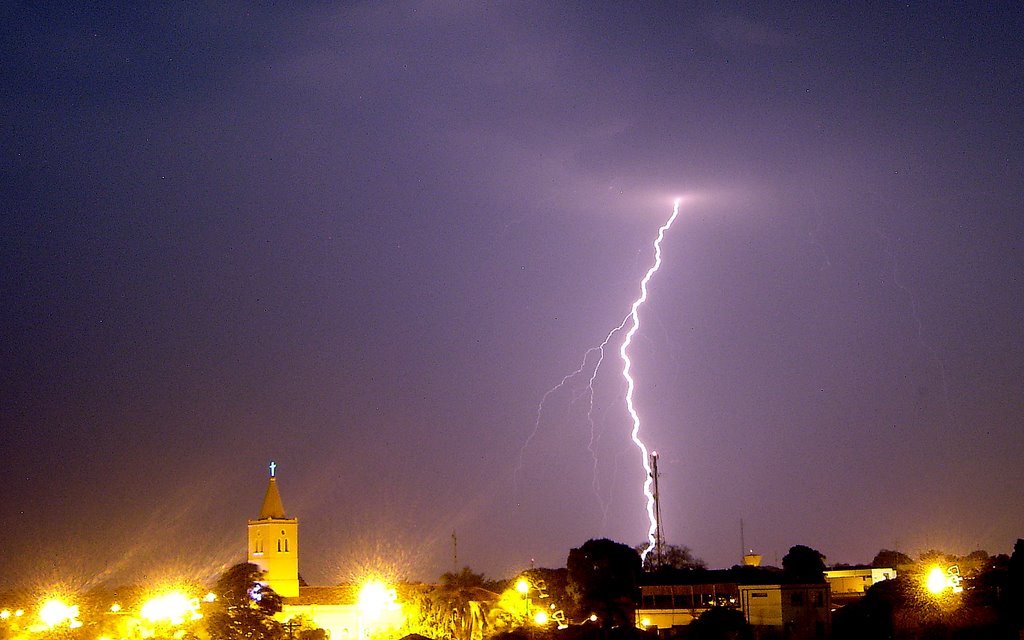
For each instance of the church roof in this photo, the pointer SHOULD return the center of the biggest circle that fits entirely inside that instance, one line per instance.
(273, 508)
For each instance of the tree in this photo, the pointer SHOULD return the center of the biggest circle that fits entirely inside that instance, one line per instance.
(934, 556)
(463, 579)
(604, 580)
(720, 623)
(1015, 585)
(672, 557)
(457, 609)
(244, 606)
(888, 558)
(803, 565)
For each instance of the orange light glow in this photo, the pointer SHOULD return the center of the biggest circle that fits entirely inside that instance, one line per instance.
(54, 612)
(173, 607)
(375, 598)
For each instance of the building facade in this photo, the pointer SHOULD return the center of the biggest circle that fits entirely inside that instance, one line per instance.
(848, 585)
(797, 611)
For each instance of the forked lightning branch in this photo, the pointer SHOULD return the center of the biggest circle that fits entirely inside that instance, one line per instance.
(632, 324)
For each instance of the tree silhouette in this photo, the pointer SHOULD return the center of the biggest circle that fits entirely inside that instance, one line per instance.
(604, 579)
(720, 623)
(803, 565)
(1015, 585)
(672, 557)
(244, 607)
(463, 579)
(888, 558)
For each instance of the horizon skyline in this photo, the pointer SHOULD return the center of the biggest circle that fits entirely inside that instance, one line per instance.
(366, 241)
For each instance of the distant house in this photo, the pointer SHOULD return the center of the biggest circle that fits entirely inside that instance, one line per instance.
(795, 611)
(771, 607)
(848, 585)
(664, 607)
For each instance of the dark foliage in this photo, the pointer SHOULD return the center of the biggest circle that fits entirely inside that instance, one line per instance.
(720, 623)
(1015, 586)
(244, 606)
(891, 559)
(604, 579)
(803, 565)
(672, 557)
(463, 579)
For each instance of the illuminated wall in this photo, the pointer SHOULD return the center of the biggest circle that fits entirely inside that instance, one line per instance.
(854, 582)
(348, 621)
(796, 610)
(273, 547)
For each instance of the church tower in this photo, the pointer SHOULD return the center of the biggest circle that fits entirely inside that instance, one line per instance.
(274, 542)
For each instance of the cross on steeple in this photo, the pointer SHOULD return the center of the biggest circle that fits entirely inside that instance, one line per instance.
(273, 467)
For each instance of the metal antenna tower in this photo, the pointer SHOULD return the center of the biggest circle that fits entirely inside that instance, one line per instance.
(659, 535)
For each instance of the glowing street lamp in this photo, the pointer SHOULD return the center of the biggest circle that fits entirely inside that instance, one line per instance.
(377, 604)
(937, 580)
(173, 607)
(523, 587)
(375, 598)
(54, 612)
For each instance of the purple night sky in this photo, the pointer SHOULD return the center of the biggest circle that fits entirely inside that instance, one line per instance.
(364, 240)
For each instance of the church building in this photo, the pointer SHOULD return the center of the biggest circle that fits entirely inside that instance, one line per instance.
(274, 542)
(274, 548)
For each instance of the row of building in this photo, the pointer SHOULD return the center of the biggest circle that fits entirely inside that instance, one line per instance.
(796, 611)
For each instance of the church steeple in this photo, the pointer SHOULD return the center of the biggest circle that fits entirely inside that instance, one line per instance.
(274, 542)
(272, 508)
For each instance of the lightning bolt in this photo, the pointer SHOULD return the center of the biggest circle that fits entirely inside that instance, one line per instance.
(627, 365)
(633, 320)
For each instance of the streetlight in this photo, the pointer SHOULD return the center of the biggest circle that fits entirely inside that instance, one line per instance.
(378, 605)
(54, 612)
(523, 587)
(174, 607)
(937, 580)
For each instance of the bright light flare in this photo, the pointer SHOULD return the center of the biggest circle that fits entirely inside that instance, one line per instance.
(375, 598)
(627, 365)
(173, 607)
(55, 612)
(937, 580)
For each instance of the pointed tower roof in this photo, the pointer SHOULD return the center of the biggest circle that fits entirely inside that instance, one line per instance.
(273, 508)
